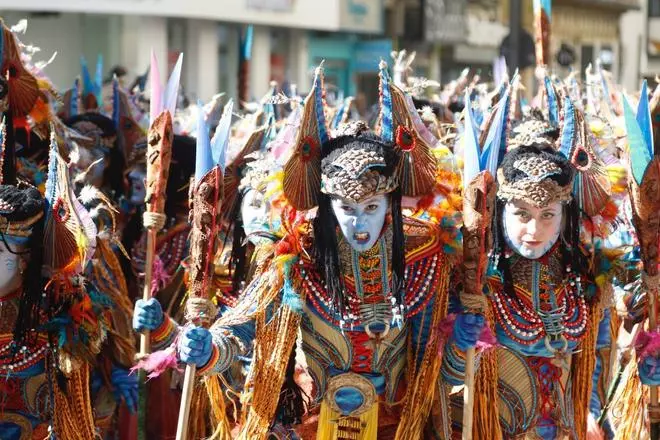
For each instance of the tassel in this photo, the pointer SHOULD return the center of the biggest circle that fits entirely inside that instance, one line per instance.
(218, 409)
(422, 383)
(628, 411)
(275, 341)
(291, 406)
(72, 414)
(486, 422)
(582, 370)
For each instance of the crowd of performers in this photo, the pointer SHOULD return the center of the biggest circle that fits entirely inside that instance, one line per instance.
(470, 264)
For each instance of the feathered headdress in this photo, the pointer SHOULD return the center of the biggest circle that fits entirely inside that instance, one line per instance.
(592, 188)
(400, 124)
(70, 233)
(302, 172)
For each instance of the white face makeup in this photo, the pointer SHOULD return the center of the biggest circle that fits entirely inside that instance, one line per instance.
(532, 231)
(138, 190)
(10, 268)
(361, 223)
(254, 212)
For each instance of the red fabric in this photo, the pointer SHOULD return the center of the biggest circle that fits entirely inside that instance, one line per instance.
(127, 424)
(162, 402)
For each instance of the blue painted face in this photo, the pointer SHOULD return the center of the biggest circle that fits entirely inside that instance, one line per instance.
(361, 223)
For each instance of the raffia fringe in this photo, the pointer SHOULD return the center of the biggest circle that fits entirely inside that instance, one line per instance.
(72, 415)
(629, 409)
(486, 418)
(218, 410)
(422, 386)
(275, 340)
(582, 370)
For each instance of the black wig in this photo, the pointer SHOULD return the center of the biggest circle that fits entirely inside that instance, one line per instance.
(26, 202)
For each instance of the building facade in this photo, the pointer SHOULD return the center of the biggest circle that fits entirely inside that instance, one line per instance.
(289, 38)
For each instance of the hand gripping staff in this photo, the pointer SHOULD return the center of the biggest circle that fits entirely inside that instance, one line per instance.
(159, 154)
(644, 190)
(205, 204)
(479, 189)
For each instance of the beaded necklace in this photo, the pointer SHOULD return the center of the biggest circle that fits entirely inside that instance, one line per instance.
(550, 313)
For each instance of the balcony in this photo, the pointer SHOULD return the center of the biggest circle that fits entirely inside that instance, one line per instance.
(614, 5)
(445, 21)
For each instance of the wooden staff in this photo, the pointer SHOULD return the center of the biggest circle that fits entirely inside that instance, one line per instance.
(645, 198)
(159, 155)
(478, 205)
(542, 20)
(205, 204)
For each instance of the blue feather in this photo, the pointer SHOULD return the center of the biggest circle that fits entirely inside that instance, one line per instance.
(553, 107)
(203, 154)
(386, 120)
(98, 81)
(73, 105)
(51, 181)
(88, 85)
(246, 43)
(220, 140)
(318, 105)
(644, 118)
(171, 92)
(471, 150)
(568, 129)
(115, 102)
(640, 157)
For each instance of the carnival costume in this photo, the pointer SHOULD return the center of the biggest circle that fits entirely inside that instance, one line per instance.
(368, 317)
(548, 314)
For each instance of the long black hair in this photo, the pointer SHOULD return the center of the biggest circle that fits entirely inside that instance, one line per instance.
(572, 255)
(326, 254)
(27, 202)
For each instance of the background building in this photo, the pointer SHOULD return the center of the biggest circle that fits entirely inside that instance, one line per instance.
(291, 37)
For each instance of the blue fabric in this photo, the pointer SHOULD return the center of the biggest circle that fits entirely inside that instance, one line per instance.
(10, 431)
(420, 330)
(348, 399)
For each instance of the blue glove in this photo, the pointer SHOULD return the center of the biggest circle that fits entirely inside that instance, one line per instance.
(467, 329)
(646, 367)
(148, 315)
(195, 346)
(125, 387)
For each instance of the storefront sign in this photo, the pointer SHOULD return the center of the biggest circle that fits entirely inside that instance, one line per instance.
(361, 16)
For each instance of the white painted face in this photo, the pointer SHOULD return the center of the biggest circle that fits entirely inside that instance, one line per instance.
(138, 189)
(532, 231)
(254, 213)
(361, 223)
(11, 266)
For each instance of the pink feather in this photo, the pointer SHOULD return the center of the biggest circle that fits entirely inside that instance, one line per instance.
(647, 344)
(158, 362)
(159, 276)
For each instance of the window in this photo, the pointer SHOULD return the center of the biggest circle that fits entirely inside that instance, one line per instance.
(586, 56)
(654, 8)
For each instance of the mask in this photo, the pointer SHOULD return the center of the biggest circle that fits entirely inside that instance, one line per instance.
(254, 213)
(361, 223)
(531, 231)
(138, 191)
(10, 267)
